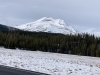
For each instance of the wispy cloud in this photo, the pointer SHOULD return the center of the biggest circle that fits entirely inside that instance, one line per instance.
(93, 31)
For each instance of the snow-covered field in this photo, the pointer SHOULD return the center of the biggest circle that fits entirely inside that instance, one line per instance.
(50, 63)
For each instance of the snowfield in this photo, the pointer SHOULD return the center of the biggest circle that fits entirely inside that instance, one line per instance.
(50, 63)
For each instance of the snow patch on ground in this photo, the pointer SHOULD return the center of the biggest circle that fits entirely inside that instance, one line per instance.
(50, 63)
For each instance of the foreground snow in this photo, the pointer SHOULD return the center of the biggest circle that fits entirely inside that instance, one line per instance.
(50, 63)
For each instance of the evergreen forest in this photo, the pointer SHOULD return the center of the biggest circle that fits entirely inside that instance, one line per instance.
(80, 44)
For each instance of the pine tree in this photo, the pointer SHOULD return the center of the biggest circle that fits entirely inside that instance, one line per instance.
(98, 53)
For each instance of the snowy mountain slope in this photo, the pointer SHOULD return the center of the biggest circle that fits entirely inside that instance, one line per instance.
(50, 63)
(49, 25)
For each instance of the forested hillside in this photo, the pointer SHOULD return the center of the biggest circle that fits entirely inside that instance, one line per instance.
(81, 44)
(7, 28)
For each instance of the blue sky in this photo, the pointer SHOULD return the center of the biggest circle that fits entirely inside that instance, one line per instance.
(83, 15)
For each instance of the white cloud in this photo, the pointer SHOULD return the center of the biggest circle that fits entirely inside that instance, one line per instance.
(93, 31)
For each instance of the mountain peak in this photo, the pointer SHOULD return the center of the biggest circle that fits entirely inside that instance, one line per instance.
(48, 25)
(46, 19)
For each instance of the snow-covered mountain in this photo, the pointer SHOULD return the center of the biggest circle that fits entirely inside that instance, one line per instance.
(49, 25)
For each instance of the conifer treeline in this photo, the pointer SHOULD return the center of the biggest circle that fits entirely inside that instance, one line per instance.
(87, 45)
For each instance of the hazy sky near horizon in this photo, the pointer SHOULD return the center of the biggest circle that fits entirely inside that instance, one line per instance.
(83, 15)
